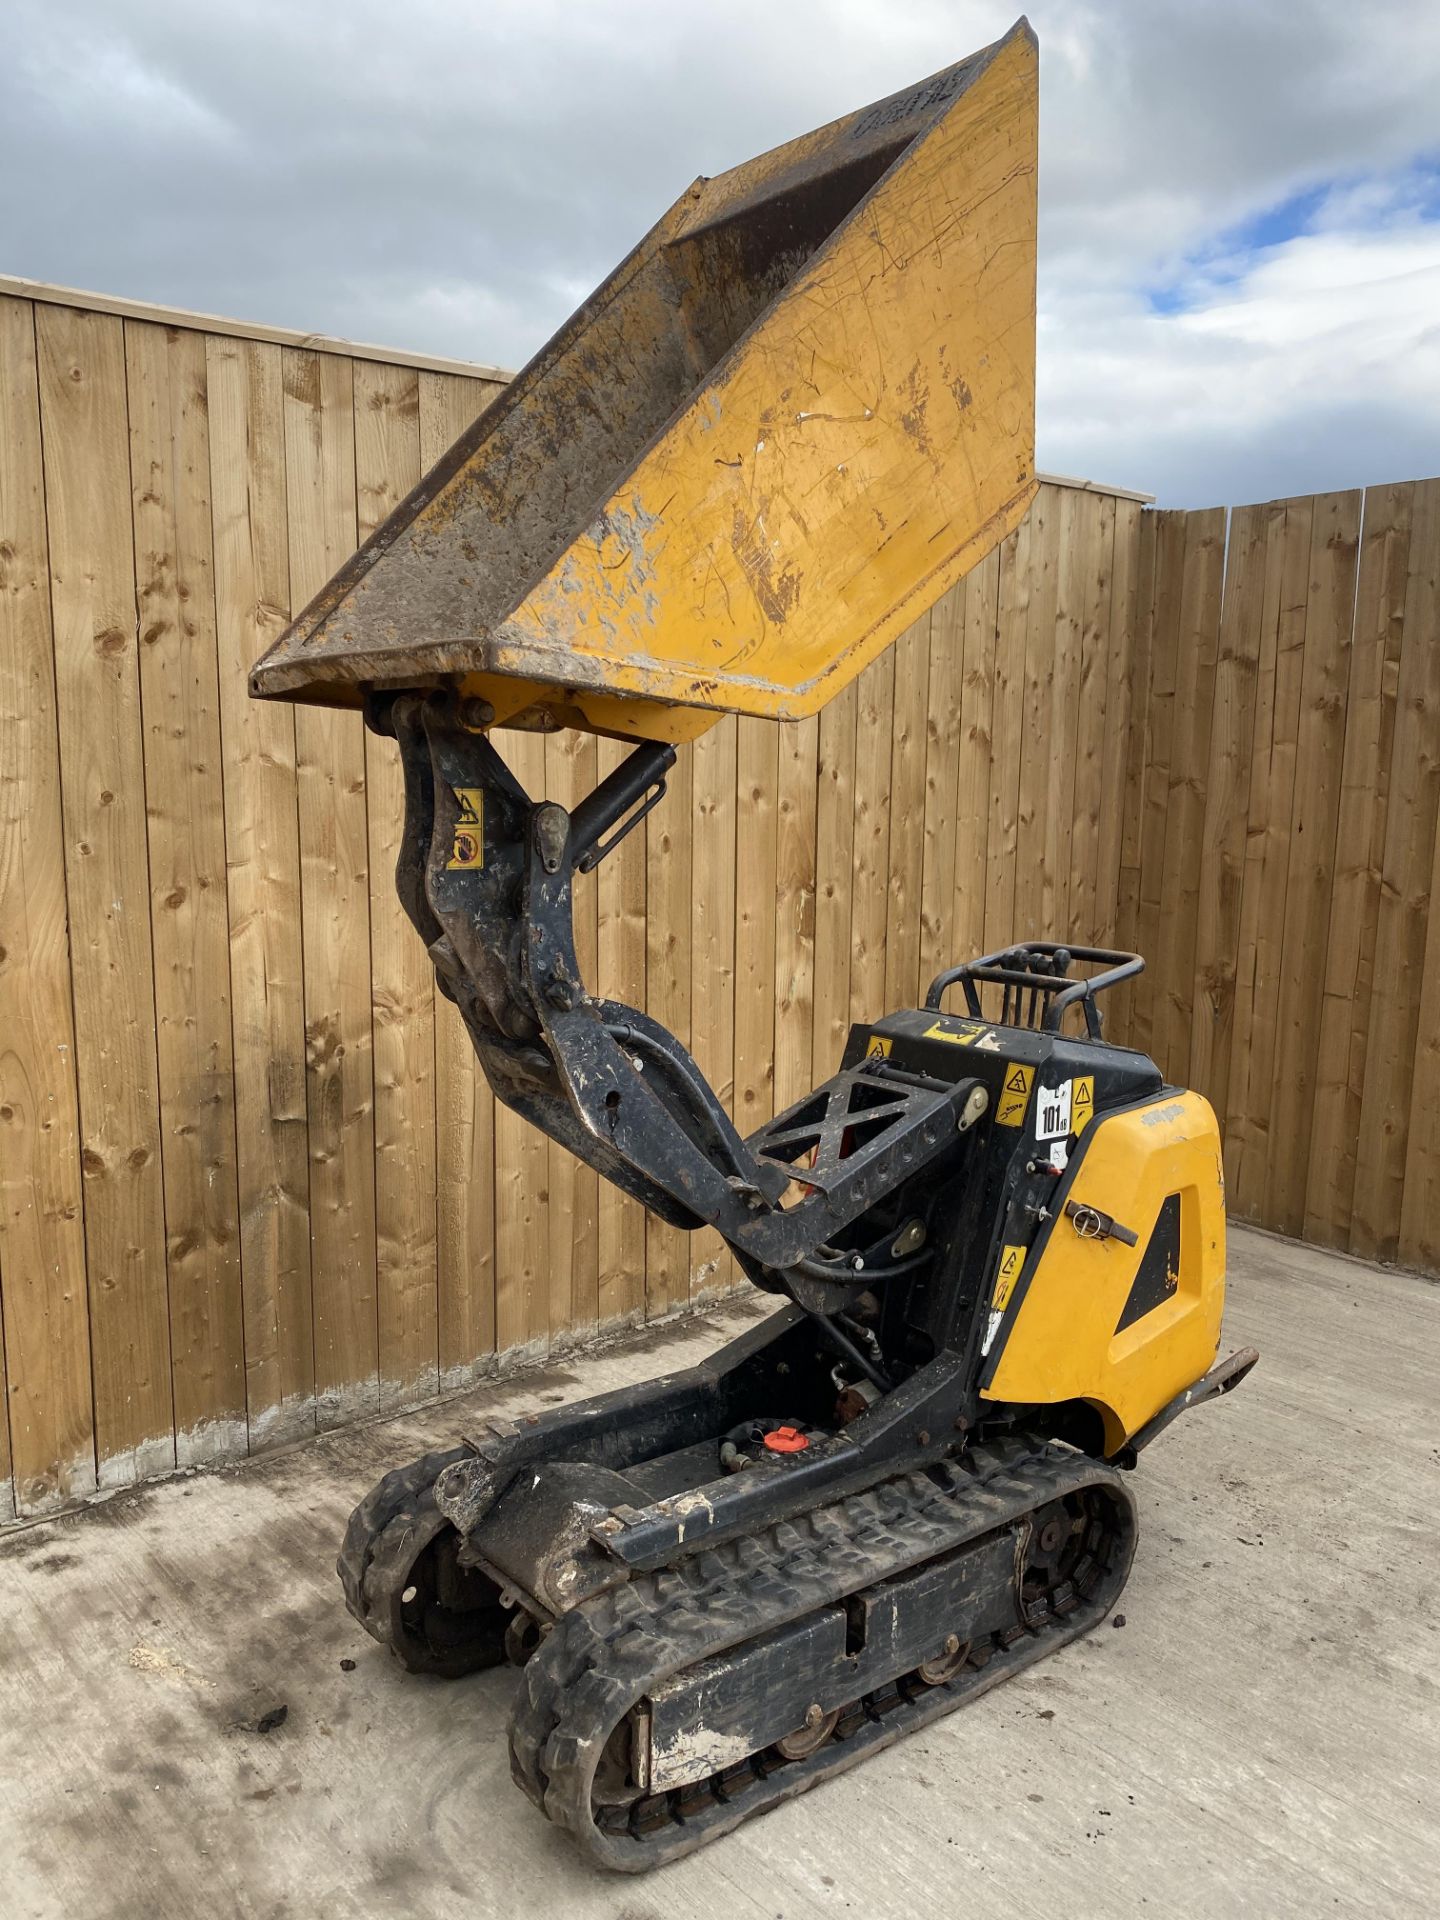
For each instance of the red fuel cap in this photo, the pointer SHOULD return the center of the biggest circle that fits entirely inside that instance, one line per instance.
(786, 1440)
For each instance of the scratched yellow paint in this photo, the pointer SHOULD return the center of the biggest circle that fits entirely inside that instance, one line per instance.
(872, 440)
(865, 440)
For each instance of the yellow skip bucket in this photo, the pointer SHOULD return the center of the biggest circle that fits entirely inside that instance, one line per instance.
(795, 414)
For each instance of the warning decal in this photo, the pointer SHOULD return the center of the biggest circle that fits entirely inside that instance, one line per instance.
(467, 849)
(877, 1047)
(1082, 1101)
(1053, 1113)
(1008, 1272)
(1014, 1097)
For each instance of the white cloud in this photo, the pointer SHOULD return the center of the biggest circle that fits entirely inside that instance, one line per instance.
(1311, 365)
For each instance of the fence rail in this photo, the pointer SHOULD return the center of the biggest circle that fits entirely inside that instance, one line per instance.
(251, 1184)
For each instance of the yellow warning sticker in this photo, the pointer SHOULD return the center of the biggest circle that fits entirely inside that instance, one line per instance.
(1082, 1101)
(1014, 1096)
(467, 849)
(877, 1047)
(1012, 1259)
(962, 1034)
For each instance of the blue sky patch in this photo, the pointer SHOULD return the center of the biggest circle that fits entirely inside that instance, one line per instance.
(1414, 193)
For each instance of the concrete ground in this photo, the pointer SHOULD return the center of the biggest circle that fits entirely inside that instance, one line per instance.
(1260, 1737)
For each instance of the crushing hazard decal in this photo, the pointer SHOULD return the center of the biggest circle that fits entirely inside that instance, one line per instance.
(467, 849)
(1006, 1274)
(1012, 1259)
(877, 1047)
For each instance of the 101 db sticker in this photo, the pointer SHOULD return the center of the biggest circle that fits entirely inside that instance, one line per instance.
(1052, 1112)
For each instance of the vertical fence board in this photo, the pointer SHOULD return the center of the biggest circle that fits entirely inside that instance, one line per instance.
(1405, 903)
(1237, 1121)
(464, 1104)
(757, 778)
(1137, 750)
(1085, 921)
(834, 878)
(1121, 685)
(1272, 783)
(334, 860)
(523, 1222)
(1194, 681)
(570, 773)
(189, 914)
(262, 840)
(969, 931)
(87, 471)
(1359, 855)
(465, 1155)
(1419, 1236)
(402, 992)
(49, 1439)
(906, 798)
(938, 883)
(668, 887)
(795, 828)
(1042, 767)
(1006, 732)
(1075, 541)
(1320, 743)
(869, 906)
(712, 955)
(1226, 801)
(620, 941)
(1162, 619)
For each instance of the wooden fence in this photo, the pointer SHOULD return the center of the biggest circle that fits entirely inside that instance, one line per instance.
(250, 1182)
(1279, 858)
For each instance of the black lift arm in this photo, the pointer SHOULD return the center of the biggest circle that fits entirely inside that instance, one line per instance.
(486, 876)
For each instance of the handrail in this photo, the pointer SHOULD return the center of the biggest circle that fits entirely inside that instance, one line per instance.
(1039, 968)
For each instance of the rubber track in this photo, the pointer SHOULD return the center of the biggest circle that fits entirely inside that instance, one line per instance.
(606, 1655)
(387, 1532)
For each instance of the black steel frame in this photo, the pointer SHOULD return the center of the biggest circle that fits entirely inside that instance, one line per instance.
(486, 876)
(1037, 989)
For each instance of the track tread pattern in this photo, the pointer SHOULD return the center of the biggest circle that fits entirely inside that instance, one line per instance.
(387, 1534)
(604, 1656)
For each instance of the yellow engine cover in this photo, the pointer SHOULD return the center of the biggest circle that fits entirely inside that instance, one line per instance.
(1125, 1328)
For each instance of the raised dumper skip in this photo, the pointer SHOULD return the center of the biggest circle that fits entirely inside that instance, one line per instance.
(795, 414)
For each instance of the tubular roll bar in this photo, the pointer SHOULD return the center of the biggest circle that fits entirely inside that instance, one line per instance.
(1038, 968)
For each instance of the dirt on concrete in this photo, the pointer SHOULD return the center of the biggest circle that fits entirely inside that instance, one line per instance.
(191, 1724)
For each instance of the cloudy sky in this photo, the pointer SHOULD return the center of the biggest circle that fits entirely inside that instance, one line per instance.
(1240, 199)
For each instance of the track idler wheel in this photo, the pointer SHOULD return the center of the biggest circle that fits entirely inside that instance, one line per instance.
(404, 1583)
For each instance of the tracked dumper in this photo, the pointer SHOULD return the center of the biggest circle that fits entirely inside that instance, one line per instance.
(799, 410)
